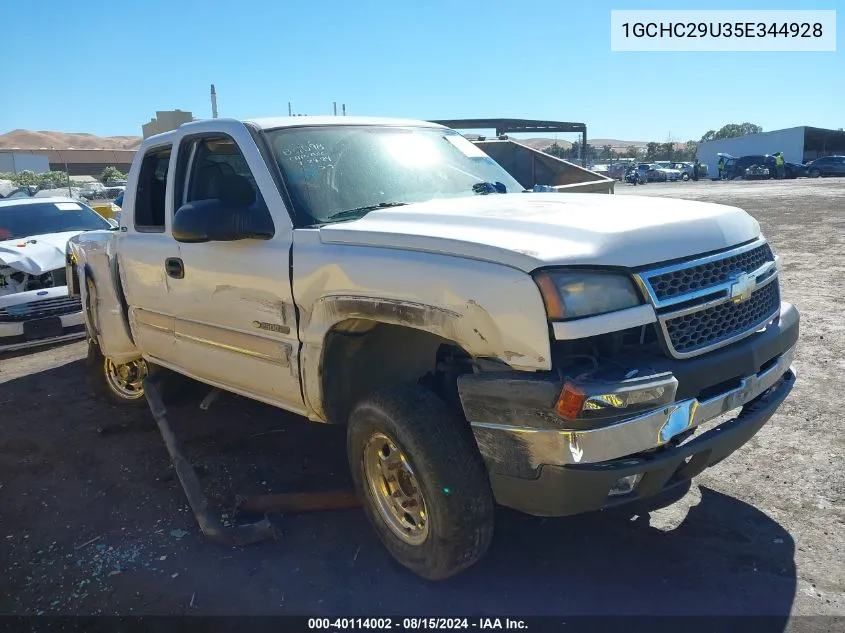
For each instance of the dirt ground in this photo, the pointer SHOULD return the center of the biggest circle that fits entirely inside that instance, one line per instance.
(93, 521)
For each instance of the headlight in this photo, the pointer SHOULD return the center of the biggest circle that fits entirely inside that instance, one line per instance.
(571, 294)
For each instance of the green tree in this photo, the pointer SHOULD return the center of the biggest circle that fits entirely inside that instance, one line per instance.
(651, 150)
(632, 152)
(607, 152)
(25, 177)
(555, 150)
(667, 151)
(110, 174)
(731, 130)
(49, 179)
(690, 151)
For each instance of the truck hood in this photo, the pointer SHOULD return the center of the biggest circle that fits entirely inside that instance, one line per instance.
(530, 230)
(36, 254)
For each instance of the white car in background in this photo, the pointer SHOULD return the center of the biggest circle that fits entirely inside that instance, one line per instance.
(35, 308)
(686, 169)
(659, 173)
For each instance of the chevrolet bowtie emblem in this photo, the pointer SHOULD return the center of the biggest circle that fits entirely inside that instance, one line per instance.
(742, 287)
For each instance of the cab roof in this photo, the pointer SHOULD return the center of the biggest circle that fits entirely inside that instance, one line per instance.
(272, 123)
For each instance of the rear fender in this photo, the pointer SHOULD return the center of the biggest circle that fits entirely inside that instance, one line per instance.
(99, 285)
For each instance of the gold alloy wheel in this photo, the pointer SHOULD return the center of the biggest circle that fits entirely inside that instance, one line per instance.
(126, 380)
(395, 489)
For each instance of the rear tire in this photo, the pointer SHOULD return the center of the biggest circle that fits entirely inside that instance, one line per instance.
(814, 173)
(439, 477)
(117, 384)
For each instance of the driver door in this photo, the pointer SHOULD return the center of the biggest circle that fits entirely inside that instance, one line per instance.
(233, 306)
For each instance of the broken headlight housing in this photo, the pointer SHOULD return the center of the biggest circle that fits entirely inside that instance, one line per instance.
(572, 294)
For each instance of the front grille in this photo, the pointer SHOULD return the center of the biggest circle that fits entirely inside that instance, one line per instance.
(698, 302)
(723, 322)
(681, 281)
(40, 309)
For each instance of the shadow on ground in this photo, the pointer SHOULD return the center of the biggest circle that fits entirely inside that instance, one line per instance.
(75, 470)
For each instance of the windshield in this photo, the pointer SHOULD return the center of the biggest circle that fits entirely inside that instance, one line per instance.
(342, 172)
(25, 220)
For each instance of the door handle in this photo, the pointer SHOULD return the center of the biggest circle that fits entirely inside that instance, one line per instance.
(174, 267)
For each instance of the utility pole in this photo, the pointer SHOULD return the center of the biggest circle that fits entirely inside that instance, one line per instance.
(289, 110)
(213, 102)
(344, 109)
(334, 106)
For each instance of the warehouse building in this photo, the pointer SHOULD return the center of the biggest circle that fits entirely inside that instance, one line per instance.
(798, 144)
(14, 161)
(77, 162)
(164, 121)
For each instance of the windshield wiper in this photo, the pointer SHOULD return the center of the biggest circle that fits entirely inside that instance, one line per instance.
(484, 188)
(350, 213)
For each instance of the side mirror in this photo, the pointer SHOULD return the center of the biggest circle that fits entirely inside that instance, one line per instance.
(216, 221)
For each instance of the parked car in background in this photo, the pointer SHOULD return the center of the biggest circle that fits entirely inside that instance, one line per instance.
(20, 192)
(617, 170)
(93, 191)
(826, 166)
(60, 192)
(113, 191)
(643, 170)
(656, 173)
(35, 308)
(686, 169)
(760, 167)
(794, 170)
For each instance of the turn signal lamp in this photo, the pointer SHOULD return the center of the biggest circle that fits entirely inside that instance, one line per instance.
(571, 401)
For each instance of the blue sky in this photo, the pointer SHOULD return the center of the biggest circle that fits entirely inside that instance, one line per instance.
(116, 63)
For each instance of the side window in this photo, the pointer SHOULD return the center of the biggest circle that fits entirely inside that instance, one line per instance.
(151, 191)
(218, 170)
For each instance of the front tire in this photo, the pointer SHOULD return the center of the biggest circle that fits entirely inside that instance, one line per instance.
(421, 480)
(814, 173)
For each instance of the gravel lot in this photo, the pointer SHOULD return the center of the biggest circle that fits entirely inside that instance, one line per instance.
(93, 520)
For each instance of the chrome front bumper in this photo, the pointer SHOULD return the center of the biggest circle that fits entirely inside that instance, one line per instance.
(644, 432)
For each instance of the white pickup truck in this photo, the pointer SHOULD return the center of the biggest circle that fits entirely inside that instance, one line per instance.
(554, 353)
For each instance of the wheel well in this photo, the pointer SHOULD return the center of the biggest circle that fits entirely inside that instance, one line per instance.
(361, 357)
(121, 297)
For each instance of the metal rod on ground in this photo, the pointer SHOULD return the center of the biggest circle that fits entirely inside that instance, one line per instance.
(296, 502)
(211, 527)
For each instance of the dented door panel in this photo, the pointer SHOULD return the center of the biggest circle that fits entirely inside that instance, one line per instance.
(235, 317)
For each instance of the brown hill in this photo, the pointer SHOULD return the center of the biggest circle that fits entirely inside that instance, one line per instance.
(26, 139)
